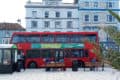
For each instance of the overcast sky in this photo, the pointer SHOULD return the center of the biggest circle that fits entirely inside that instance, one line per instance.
(11, 10)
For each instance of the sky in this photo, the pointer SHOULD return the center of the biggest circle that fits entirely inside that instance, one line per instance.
(12, 10)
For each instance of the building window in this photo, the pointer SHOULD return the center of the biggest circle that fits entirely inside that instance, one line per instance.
(34, 13)
(57, 14)
(69, 14)
(47, 24)
(34, 24)
(95, 18)
(5, 41)
(86, 4)
(86, 18)
(46, 14)
(57, 24)
(69, 24)
(7, 33)
(95, 4)
(110, 18)
(87, 28)
(109, 4)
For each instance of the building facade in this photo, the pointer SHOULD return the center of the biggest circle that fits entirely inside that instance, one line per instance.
(6, 31)
(51, 15)
(82, 15)
(94, 15)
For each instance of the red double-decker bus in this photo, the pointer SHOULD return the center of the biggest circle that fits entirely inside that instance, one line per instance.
(64, 47)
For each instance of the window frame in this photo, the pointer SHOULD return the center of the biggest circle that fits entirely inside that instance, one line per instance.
(34, 13)
(46, 24)
(46, 14)
(69, 14)
(96, 18)
(69, 24)
(86, 18)
(110, 18)
(58, 24)
(96, 4)
(57, 14)
(34, 24)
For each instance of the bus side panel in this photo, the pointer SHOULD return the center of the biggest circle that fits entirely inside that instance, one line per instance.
(68, 62)
(39, 61)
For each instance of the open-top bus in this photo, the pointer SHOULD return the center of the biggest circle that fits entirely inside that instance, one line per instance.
(72, 48)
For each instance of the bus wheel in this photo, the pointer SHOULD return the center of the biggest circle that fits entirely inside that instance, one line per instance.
(75, 66)
(32, 65)
(47, 68)
(81, 64)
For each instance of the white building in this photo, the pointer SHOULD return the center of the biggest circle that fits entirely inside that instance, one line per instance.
(94, 14)
(51, 15)
(82, 15)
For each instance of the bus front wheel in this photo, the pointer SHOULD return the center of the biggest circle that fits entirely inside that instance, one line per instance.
(32, 65)
(75, 66)
(81, 64)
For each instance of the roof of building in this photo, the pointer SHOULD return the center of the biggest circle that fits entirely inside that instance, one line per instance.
(11, 26)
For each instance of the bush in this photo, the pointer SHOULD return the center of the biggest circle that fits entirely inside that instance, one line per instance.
(114, 58)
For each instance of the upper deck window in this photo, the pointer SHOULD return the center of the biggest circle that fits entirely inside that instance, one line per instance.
(91, 38)
(77, 38)
(33, 38)
(19, 38)
(47, 38)
(62, 38)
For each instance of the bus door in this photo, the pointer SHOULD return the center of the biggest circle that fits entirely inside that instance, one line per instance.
(68, 57)
(59, 56)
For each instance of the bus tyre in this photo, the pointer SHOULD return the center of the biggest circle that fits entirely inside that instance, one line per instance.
(32, 65)
(47, 69)
(75, 66)
(81, 64)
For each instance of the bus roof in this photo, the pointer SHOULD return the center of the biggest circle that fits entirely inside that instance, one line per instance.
(7, 46)
(38, 33)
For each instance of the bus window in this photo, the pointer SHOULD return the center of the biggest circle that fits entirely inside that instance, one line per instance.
(0, 56)
(15, 39)
(67, 53)
(33, 38)
(75, 53)
(7, 57)
(61, 54)
(91, 38)
(81, 52)
(19, 38)
(85, 53)
(77, 38)
(33, 54)
(47, 38)
(62, 38)
(46, 54)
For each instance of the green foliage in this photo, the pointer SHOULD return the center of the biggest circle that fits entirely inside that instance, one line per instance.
(114, 34)
(113, 56)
